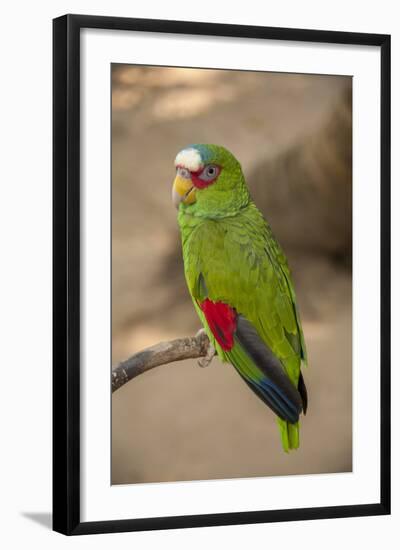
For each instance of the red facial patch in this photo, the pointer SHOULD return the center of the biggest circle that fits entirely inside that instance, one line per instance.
(221, 319)
(200, 179)
(201, 182)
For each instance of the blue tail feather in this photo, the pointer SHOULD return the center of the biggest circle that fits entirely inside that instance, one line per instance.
(264, 373)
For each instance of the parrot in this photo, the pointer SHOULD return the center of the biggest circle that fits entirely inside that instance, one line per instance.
(240, 283)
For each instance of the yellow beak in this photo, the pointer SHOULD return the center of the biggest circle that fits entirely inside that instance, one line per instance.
(184, 191)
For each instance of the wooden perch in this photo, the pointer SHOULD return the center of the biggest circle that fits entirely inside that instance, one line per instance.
(163, 353)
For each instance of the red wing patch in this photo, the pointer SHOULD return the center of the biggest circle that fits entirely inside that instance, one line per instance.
(221, 319)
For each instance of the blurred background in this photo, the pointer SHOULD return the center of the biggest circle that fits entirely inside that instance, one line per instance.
(293, 136)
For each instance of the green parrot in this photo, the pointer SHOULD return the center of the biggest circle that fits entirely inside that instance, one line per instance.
(240, 283)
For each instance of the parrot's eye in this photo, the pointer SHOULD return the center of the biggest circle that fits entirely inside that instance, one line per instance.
(183, 172)
(210, 172)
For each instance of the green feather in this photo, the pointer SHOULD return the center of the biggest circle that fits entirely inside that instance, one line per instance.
(231, 255)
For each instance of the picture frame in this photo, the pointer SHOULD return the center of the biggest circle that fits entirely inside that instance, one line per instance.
(68, 340)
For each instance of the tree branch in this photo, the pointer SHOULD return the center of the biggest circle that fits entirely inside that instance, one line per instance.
(163, 353)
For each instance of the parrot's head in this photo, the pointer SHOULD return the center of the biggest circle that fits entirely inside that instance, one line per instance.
(209, 182)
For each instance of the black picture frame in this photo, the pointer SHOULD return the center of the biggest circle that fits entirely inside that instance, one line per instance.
(66, 273)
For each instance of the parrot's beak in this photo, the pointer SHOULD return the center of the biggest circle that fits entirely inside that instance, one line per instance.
(183, 190)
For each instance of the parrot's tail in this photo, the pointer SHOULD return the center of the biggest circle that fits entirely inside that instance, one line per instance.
(290, 435)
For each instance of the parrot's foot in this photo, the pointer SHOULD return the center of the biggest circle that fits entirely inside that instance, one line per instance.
(206, 360)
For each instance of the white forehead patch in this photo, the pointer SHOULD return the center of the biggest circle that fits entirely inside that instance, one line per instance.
(190, 159)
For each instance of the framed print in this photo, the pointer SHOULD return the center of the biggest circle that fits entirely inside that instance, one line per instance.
(221, 200)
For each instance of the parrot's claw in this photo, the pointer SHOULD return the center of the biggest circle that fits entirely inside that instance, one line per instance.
(206, 360)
